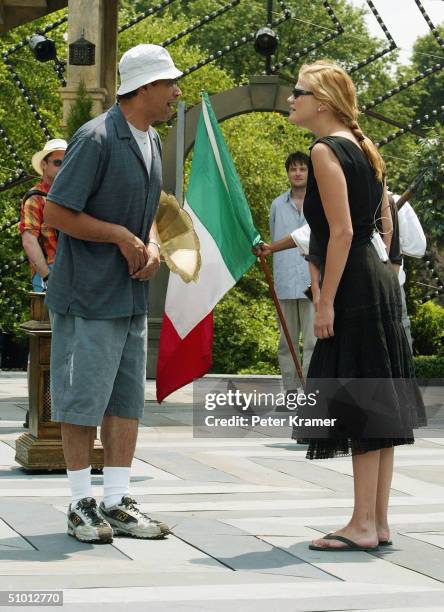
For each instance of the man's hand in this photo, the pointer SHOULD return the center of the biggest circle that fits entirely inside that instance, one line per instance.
(34, 252)
(263, 249)
(152, 265)
(134, 251)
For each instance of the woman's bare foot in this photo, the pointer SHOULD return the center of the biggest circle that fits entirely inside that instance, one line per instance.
(366, 537)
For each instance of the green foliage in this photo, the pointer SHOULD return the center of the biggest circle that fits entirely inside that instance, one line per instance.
(429, 158)
(309, 23)
(427, 53)
(259, 144)
(80, 111)
(428, 367)
(411, 104)
(24, 132)
(416, 275)
(43, 85)
(245, 333)
(15, 281)
(428, 329)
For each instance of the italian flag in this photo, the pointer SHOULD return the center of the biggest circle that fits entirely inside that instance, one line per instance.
(222, 220)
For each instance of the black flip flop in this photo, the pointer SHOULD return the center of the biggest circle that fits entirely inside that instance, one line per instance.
(351, 546)
(385, 543)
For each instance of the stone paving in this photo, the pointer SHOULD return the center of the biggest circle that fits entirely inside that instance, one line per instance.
(243, 512)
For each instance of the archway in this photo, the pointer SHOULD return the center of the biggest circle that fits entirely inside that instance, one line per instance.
(262, 94)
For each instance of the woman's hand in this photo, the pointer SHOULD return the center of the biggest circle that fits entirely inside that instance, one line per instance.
(323, 323)
(263, 249)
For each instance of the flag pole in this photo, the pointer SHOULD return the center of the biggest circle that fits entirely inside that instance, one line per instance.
(266, 271)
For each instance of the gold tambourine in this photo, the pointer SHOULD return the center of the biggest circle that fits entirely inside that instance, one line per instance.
(179, 242)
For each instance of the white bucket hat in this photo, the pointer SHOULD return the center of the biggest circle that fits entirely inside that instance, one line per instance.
(145, 64)
(56, 144)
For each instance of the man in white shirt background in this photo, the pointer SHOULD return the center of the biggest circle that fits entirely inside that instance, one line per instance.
(412, 244)
(291, 275)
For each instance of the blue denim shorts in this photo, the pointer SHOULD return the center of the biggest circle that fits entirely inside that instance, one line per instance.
(98, 368)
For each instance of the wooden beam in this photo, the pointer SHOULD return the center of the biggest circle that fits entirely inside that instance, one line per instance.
(26, 3)
(18, 12)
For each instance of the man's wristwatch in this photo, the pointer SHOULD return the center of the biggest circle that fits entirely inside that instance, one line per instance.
(45, 279)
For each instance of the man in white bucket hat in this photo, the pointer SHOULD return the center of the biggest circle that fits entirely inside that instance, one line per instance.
(38, 239)
(143, 65)
(104, 203)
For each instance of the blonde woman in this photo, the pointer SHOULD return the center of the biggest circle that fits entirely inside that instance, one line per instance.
(358, 305)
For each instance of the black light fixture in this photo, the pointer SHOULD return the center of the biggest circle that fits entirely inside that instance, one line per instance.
(82, 52)
(266, 42)
(44, 49)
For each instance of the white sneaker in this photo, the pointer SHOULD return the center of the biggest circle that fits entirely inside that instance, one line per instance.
(86, 524)
(126, 519)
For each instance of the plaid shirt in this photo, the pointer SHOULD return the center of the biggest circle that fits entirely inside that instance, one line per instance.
(31, 219)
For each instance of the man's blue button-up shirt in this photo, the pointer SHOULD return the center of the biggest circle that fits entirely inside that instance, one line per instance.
(291, 275)
(104, 175)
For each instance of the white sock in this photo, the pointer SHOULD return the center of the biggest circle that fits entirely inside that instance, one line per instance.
(80, 483)
(115, 484)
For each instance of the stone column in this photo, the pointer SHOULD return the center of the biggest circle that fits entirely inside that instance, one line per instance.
(97, 21)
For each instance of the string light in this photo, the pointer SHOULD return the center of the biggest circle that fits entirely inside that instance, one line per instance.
(433, 29)
(429, 264)
(18, 81)
(207, 19)
(236, 44)
(155, 9)
(409, 127)
(59, 67)
(337, 31)
(26, 96)
(19, 167)
(402, 86)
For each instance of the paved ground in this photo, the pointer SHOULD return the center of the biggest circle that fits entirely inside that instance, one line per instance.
(243, 510)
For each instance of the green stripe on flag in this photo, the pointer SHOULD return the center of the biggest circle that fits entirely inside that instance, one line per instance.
(221, 204)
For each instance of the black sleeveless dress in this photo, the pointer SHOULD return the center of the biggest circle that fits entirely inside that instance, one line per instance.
(362, 376)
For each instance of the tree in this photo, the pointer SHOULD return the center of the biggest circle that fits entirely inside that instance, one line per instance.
(80, 111)
(427, 53)
(429, 157)
(308, 24)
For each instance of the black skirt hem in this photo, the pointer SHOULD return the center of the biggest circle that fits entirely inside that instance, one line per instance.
(321, 449)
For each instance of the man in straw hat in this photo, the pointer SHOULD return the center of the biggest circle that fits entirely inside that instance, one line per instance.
(104, 202)
(38, 239)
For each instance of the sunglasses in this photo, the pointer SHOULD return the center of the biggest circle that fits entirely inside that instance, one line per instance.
(168, 82)
(56, 162)
(297, 91)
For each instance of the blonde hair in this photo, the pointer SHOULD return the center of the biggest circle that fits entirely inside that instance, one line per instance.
(333, 86)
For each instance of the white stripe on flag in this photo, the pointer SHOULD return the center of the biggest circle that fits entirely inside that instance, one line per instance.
(213, 142)
(188, 303)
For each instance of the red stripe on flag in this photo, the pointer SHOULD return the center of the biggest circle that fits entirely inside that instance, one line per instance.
(182, 360)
